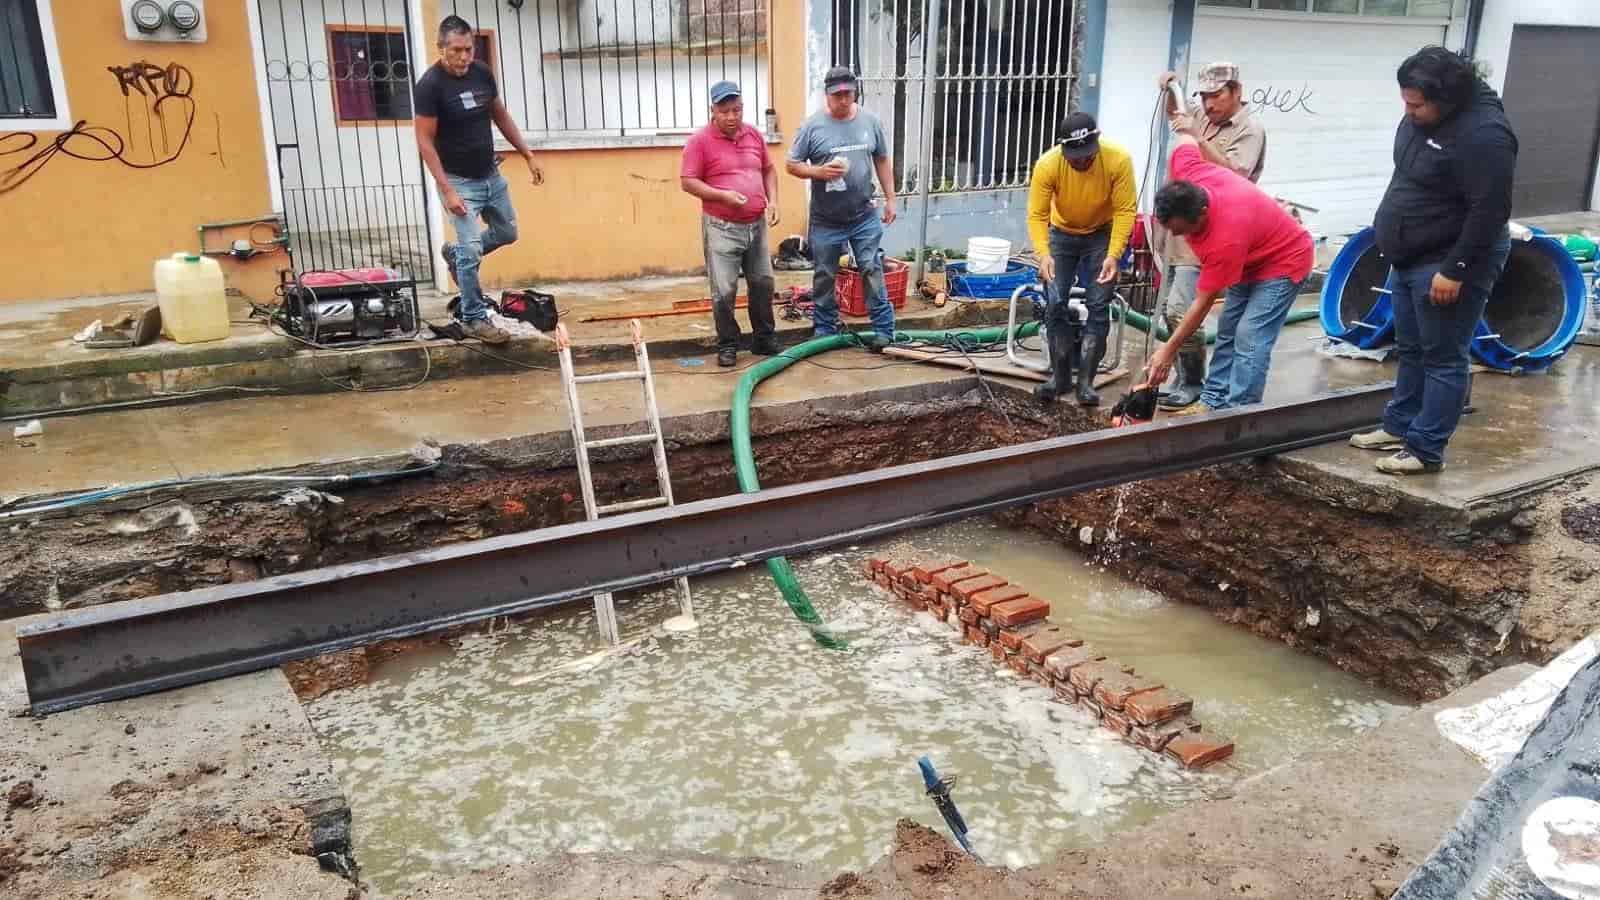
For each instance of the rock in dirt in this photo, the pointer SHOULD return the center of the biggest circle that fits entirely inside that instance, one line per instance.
(22, 794)
(130, 729)
(207, 767)
(1582, 521)
(1384, 888)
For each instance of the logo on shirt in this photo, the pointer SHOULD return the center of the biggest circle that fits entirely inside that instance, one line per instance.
(468, 100)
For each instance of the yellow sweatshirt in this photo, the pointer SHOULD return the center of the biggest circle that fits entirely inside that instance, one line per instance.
(1083, 202)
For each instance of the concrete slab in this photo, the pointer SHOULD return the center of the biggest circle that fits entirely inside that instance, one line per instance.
(213, 790)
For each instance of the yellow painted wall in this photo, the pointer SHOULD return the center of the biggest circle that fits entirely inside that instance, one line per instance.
(618, 213)
(80, 228)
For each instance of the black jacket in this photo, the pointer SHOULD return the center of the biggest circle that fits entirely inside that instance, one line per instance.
(1450, 196)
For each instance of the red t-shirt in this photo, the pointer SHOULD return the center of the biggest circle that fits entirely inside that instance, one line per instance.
(1248, 237)
(736, 164)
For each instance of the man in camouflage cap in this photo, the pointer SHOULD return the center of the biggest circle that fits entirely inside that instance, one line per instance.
(1228, 136)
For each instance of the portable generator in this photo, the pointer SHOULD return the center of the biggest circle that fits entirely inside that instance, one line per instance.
(336, 305)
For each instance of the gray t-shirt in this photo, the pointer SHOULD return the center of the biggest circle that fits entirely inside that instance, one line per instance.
(841, 201)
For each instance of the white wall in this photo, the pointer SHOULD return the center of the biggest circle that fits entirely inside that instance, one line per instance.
(1494, 38)
(1138, 33)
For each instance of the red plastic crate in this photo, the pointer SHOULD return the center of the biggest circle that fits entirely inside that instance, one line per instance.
(847, 287)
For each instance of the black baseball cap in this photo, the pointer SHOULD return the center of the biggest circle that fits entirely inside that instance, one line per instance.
(1079, 136)
(839, 78)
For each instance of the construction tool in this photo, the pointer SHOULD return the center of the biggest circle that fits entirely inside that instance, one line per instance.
(939, 789)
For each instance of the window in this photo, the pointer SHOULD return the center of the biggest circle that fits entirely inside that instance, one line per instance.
(30, 67)
(371, 72)
(1417, 9)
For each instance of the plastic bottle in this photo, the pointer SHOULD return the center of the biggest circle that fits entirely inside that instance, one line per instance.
(193, 298)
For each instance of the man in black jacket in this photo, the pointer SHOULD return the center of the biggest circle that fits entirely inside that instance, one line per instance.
(1442, 226)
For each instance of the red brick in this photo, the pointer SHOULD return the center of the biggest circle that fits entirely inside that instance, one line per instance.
(1012, 637)
(870, 567)
(997, 650)
(1037, 673)
(963, 590)
(1018, 664)
(1019, 612)
(892, 568)
(982, 639)
(969, 615)
(1086, 676)
(990, 628)
(1087, 703)
(1116, 722)
(972, 635)
(943, 581)
(1065, 693)
(1153, 707)
(1046, 641)
(1113, 691)
(882, 578)
(1197, 751)
(1060, 663)
(1157, 737)
(984, 601)
(924, 572)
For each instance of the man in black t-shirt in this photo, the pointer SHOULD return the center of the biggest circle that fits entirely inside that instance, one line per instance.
(455, 102)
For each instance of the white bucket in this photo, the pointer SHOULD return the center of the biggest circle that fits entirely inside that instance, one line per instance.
(987, 255)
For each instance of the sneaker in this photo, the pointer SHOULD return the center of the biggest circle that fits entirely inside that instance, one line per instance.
(485, 331)
(1377, 440)
(1193, 409)
(767, 347)
(1403, 463)
(448, 251)
(727, 357)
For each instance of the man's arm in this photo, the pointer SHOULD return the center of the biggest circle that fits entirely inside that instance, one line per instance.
(697, 188)
(1161, 361)
(885, 168)
(769, 180)
(1486, 169)
(427, 129)
(508, 127)
(1041, 192)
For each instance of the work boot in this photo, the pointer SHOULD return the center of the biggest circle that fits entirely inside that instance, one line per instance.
(1191, 367)
(765, 346)
(485, 331)
(1094, 349)
(1058, 346)
(727, 357)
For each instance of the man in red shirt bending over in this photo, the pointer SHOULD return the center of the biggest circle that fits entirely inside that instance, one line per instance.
(727, 166)
(1250, 249)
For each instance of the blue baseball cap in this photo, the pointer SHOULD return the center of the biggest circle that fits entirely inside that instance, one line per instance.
(724, 90)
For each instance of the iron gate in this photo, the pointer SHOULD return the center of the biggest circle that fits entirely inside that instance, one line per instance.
(339, 81)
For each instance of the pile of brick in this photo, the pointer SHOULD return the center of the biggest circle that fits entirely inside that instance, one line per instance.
(993, 613)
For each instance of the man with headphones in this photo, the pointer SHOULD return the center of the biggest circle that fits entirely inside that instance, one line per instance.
(1081, 206)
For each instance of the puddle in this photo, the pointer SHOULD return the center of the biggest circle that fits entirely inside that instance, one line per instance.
(745, 739)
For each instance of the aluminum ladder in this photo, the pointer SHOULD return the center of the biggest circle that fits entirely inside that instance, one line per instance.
(604, 609)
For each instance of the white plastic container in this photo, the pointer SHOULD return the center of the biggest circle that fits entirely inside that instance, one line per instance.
(987, 255)
(193, 298)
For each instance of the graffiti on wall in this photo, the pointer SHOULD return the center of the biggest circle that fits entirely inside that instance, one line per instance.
(1284, 100)
(159, 119)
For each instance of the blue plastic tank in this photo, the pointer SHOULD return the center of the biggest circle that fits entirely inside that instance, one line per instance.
(1355, 304)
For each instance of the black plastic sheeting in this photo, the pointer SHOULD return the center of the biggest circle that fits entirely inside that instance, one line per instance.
(1553, 783)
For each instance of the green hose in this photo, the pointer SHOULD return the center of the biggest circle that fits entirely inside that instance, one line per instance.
(1142, 322)
(744, 457)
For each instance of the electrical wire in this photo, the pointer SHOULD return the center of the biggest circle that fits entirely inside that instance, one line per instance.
(96, 496)
(154, 400)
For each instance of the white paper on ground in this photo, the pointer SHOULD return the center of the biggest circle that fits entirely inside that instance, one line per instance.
(516, 327)
(1493, 730)
(1343, 350)
(33, 427)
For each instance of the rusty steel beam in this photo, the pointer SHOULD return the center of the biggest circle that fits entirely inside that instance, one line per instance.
(135, 647)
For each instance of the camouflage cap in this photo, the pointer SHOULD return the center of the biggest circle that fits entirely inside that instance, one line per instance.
(1215, 77)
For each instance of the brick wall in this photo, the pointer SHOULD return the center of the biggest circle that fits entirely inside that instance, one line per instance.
(994, 614)
(729, 21)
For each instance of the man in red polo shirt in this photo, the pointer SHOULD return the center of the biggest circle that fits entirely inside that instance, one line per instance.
(1250, 248)
(726, 165)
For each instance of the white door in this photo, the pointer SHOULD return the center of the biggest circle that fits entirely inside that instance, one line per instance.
(1326, 91)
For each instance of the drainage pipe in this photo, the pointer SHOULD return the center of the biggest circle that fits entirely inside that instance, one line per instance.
(1142, 322)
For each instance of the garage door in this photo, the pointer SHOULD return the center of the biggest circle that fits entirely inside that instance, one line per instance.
(1327, 94)
(1554, 104)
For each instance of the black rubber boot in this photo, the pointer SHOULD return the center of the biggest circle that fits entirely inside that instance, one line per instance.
(1191, 366)
(1058, 344)
(1094, 349)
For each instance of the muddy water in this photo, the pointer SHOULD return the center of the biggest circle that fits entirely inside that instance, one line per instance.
(745, 739)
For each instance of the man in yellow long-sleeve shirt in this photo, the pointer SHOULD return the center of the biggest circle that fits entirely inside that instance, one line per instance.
(1081, 206)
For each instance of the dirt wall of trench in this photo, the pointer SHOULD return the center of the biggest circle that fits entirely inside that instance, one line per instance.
(1418, 602)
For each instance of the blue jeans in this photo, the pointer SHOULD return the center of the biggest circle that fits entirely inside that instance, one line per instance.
(489, 198)
(827, 244)
(1431, 386)
(1078, 258)
(1252, 317)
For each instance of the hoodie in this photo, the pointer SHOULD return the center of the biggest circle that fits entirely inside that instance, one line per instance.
(1450, 196)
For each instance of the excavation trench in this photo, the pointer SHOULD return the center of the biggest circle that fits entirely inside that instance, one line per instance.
(744, 739)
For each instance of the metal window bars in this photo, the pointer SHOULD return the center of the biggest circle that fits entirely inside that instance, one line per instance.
(1004, 78)
(622, 67)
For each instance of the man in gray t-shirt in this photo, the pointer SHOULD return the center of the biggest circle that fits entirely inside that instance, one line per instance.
(838, 150)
